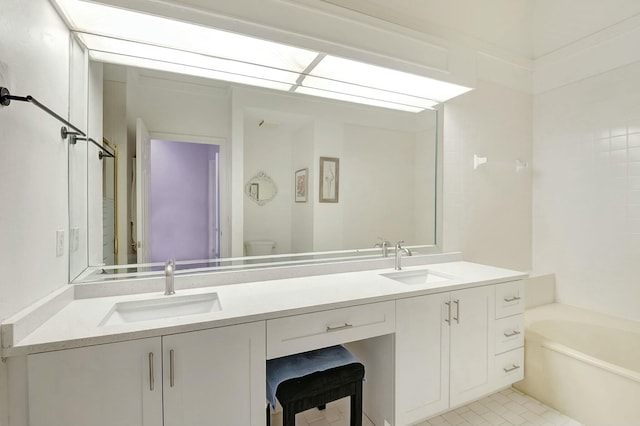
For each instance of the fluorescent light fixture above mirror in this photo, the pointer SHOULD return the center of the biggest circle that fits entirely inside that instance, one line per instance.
(346, 70)
(131, 38)
(195, 60)
(133, 61)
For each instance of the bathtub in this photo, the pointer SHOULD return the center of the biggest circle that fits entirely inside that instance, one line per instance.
(584, 364)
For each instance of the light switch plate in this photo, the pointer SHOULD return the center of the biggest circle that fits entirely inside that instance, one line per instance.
(59, 242)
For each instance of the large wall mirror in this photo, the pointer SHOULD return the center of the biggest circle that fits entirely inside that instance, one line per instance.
(190, 148)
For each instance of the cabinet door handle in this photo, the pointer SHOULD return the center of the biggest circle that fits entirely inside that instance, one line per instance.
(339, 327)
(171, 368)
(457, 317)
(511, 299)
(512, 368)
(447, 319)
(512, 333)
(151, 374)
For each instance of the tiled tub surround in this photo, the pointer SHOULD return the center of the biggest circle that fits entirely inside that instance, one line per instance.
(265, 319)
(583, 363)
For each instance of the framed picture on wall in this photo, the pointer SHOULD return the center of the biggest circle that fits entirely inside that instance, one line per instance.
(329, 179)
(301, 185)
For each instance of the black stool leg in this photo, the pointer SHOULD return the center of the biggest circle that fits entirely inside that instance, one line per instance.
(322, 407)
(268, 415)
(356, 405)
(288, 416)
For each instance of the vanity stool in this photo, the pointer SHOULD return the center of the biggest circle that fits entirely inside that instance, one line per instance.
(312, 379)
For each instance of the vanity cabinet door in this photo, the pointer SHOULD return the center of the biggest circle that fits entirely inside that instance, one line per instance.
(103, 385)
(422, 357)
(215, 377)
(472, 335)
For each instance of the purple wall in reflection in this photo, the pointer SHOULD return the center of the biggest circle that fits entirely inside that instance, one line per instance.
(179, 200)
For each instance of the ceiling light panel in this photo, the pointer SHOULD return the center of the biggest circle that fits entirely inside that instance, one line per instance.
(367, 92)
(346, 70)
(129, 25)
(355, 99)
(131, 38)
(134, 61)
(140, 50)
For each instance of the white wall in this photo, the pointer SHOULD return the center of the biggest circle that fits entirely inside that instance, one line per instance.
(78, 166)
(586, 198)
(587, 191)
(328, 226)
(115, 130)
(302, 213)
(377, 186)
(488, 211)
(95, 165)
(268, 149)
(34, 51)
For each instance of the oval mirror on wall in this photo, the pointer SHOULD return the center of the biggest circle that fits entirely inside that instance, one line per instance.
(261, 189)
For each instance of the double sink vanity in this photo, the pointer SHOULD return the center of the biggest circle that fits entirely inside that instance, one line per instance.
(431, 336)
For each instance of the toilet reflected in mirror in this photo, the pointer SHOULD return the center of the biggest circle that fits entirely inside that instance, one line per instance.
(261, 189)
(259, 247)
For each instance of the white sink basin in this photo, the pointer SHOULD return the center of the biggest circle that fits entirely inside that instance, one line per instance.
(162, 307)
(416, 277)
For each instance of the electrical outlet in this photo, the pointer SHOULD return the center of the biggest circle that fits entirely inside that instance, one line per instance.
(59, 242)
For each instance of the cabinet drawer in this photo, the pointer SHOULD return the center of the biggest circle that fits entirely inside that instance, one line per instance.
(509, 367)
(509, 299)
(509, 333)
(300, 333)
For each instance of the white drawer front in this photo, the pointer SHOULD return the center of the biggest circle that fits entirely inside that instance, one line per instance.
(509, 299)
(509, 367)
(509, 333)
(300, 333)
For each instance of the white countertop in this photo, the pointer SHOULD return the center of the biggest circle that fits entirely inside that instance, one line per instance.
(77, 322)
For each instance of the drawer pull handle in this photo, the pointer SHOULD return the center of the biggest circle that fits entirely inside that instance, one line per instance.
(339, 327)
(447, 319)
(457, 316)
(512, 333)
(513, 367)
(511, 299)
(151, 375)
(172, 377)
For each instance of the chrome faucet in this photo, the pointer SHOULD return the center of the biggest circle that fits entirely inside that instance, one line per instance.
(399, 251)
(169, 269)
(384, 245)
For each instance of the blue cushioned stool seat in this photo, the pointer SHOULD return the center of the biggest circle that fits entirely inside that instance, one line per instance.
(312, 379)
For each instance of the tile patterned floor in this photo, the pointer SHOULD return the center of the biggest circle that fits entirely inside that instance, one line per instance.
(506, 408)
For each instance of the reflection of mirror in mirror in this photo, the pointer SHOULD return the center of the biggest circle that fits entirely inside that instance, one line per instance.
(261, 189)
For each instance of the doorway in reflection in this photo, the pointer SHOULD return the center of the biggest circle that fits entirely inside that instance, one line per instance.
(184, 213)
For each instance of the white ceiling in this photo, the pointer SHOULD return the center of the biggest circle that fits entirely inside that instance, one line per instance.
(558, 23)
(529, 28)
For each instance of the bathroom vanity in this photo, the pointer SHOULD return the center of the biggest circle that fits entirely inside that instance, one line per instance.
(432, 337)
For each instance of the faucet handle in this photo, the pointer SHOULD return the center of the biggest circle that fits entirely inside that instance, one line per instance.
(383, 242)
(170, 265)
(399, 244)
